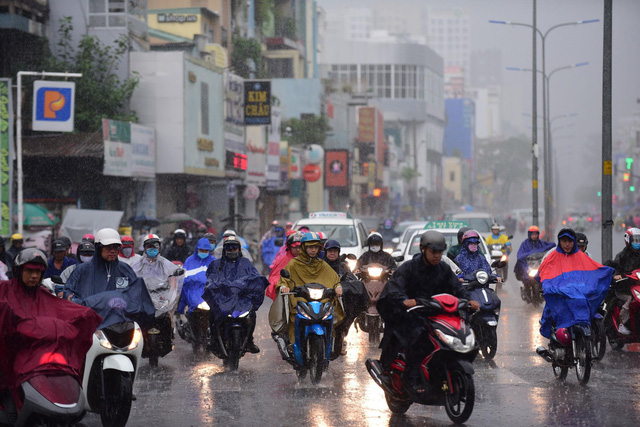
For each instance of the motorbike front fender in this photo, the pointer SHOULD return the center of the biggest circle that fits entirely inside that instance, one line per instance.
(463, 365)
(316, 329)
(119, 362)
(581, 329)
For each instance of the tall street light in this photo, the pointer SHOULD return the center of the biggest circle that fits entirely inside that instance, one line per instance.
(547, 166)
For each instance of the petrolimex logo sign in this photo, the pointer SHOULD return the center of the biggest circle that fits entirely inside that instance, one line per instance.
(53, 106)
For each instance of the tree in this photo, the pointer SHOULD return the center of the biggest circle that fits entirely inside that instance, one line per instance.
(244, 49)
(309, 130)
(99, 93)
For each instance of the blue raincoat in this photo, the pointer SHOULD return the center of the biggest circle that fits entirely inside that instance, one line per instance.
(527, 248)
(233, 286)
(471, 261)
(195, 277)
(269, 247)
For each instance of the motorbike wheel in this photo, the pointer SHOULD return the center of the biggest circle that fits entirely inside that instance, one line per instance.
(459, 400)
(301, 373)
(599, 338)
(489, 346)
(397, 406)
(583, 354)
(153, 361)
(316, 358)
(560, 372)
(361, 322)
(235, 349)
(116, 403)
(374, 331)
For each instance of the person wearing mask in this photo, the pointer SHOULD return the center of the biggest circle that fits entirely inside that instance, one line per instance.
(288, 226)
(497, 238)
(85, 252)
(59, 261)
(178, 250)
(531, 245)
(16, 246)
(375, 254)
(89, 238)
(387, 230)
(233, 283)
(152, 264)
(292, 249)
(127, 253)
(6, 260)
(196, 276)
(455, 249)
(625, 262)
(212, 239)
(217, 253)
(270, 233)
(422, 277)
(470, 258)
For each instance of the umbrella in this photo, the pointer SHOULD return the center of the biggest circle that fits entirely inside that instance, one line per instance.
(37, 216)
(142, 221)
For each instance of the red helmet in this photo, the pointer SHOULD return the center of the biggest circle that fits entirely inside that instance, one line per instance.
(533, 229)
(563, 336)
(127, 241)
(89, 238)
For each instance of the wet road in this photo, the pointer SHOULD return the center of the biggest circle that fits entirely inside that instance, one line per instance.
(517, 388)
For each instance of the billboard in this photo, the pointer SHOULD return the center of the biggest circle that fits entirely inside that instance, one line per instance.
(6, 150)
(336, 168)
(53, 106)
(257, 102)
(129, 149)
(367, 124)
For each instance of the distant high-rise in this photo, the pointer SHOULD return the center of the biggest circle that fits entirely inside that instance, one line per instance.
(449, 34)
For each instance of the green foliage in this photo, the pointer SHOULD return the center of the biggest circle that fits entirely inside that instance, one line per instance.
(409, 174)
(310, 130)
(244, 49)
(99, 93)
(289, 29)
(263, 9)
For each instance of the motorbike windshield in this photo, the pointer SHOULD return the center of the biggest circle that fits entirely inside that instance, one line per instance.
(165, 292)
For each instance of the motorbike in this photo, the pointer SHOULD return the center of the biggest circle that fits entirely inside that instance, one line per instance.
(165, 294)
(375, 277)
(531, 289)
(230, 337)
(501, 258)
(194, 327)
(484, 321)
(611, 306)
(446, 372)
(313, 330)
(568, 348)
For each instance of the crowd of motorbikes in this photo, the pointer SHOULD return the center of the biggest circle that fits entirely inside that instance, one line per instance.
(120, 342)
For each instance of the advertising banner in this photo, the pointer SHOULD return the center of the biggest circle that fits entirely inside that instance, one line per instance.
(336, 168)
(129, 149)
(273, 153)
(295, 170)
(143, 151)
(256, 156)
(53, 106)
(367, 124)
(234, 114)
(257, 102)
(6, 149)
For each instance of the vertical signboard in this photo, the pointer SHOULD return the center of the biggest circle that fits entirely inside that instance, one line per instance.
(273, 153)
(143, 151)
(234, 114)
(53, 106)
(256, 156)
(6, 147)
(295, 169)
(336, 168)
(367, 124)
(117, 148)
(257, 102)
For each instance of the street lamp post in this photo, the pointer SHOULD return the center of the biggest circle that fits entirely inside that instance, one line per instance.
(545, 102)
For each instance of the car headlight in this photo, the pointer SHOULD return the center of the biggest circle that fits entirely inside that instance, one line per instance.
(104, 341)
(352, 263)
(137, 336)
(456, 344)
(482, 277)
(533, 272)
(374, 272)
(204, 306)
(636, 294)
(316, 294)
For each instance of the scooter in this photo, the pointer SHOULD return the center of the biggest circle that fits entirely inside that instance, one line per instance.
(313, 330)
(230, 337)
(500, 258)
(611, 306)
(531, 289)
(158, 337)
(375, 278)
(484, 322)
(194, 327)
(446, 371)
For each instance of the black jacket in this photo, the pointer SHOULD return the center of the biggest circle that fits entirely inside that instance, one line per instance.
(380, 257)
(177, 253)
(626, 261)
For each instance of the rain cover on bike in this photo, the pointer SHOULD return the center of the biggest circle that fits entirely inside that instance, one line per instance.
(233, 286)
(163, 285)
(195, 278)
(573, 285)
(40, 333)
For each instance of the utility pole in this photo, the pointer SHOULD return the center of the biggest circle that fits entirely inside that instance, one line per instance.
(607, 208)
(534, 124)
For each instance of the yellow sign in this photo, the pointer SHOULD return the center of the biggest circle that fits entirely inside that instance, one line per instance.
(606, 167)
(535, 183)
(257, 102)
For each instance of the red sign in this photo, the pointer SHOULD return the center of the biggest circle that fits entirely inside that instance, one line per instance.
(311, 173)
(336, 168)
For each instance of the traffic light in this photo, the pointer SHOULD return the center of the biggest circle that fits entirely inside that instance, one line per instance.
(626, 176)
(377, 192)
(632, 188)
(599, 194)
(629, 161)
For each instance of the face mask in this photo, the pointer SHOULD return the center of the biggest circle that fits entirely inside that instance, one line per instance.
(232, 256)
(473, 247)
(127, 252)
(85, 258)
(375, 248)
(203, 255)
(635, 246)
(152, 252)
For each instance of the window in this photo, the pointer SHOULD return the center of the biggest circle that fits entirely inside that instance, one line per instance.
(204, 108)
(108, 13)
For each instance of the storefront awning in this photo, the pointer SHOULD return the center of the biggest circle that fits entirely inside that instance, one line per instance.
(67, 145)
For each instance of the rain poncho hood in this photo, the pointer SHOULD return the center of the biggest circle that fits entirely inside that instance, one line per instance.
(195, 277)
(471, 261)
(573, 285)
(269, 247)
(529, 247)
(233, 286)
(40, 333)
(280, 263)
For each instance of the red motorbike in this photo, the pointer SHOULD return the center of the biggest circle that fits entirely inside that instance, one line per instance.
(446, 372)
(612, 304)
(375, 277)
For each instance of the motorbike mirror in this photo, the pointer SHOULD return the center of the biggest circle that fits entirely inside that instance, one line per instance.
(399, 258)
(352, 256)
(284, 273)
(343, 257)
(57, 280)
(395, 240)
(178, 272)
(510, 237)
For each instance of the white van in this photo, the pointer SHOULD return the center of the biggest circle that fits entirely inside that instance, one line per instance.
(350, 232)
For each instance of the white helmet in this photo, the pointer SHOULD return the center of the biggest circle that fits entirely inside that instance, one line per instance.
(108, 236)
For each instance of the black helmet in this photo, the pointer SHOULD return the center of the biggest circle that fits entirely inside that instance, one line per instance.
(66, 241)
(461, 233)
(86, 248)
(582, 239)
(31, 256)
(179, 233)
(374, 239)
(331, 244)
(211, 238)
(434, 240)
(231, 241)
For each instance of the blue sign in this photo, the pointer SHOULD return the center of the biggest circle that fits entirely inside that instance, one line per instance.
(53, 106)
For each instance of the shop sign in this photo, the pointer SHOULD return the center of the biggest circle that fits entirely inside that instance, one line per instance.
(6, 144)
(311, 173)
(257, 102)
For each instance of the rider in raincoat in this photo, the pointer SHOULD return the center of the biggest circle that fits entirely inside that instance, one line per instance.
(270, 247)
(531, 245)
(292, 251)
(470, 258)
(196, 276)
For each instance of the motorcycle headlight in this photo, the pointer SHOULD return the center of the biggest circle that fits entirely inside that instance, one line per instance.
(533, 272)
(456, 344)
(638, 274)
(374, 272)
(352, 263)
(503, 259)
(636, 294)
(302, 313)
(104, 341)
(204, 306)
(482, 277)
(137, 336)
(316, 294)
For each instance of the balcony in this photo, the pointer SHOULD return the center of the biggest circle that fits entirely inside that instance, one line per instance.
(23, 24)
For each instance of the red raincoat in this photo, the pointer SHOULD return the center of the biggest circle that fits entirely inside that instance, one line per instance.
(278, 264)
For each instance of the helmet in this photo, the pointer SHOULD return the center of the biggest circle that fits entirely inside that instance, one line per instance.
(388, 224)
(179, 233)
(66, 241)
(311, 238)
(582, 239)
(229, 242)
(533, 229)
(374, 239)
(323, 237)
(108, 236)
(58, 246)
(434, 240)
(89, 238)
(303, 228)
(16, 236)
(631, 235)
(495, 226)
(85, 248)
(211, 238)
(33, 257)
(331, 244)
(471, 234)
(563, 337)
(151, 239)
(294, 239)
(289, 224)
(208, 221)
(202, 228)
(228, 233)
(127, 241)
(275, 222)
(461, 233)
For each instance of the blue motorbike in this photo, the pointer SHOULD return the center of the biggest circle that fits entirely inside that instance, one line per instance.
(484, 322)
(313, 330)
